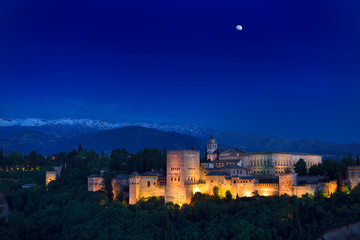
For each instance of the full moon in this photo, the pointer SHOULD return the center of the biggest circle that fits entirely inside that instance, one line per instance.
(239, 27)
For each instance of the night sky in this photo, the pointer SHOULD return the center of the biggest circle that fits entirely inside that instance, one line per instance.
(292, 72)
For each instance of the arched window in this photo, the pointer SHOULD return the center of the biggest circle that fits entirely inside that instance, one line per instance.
(148, 183)
(179, 179)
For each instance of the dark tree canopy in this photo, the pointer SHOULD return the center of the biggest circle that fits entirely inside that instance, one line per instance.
(300, 167)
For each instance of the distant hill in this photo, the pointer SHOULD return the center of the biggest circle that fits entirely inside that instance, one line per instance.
(260, 142)
(48, 136)
(131, 138)
(134, 139)
(25, 141)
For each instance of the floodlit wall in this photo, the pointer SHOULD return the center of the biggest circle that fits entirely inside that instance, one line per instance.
(144, 187)
(95, 184)
(286, 182)
(243, 187)
(50, 176)
(267, 189)
(330, 187)
(119, 185)
(134, 187)
(353, 173)
(182, 167)
(308, 188)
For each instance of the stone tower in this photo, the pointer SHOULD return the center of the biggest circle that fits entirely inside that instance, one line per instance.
(183, 167)
(211, 145)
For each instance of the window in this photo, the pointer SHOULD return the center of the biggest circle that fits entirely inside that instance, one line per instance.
(179, 179)
(171, 179)
(148, 183)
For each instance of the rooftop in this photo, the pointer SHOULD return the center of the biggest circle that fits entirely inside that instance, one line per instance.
(94, 176)
(121, 176)
(217, 173)
(233, 166)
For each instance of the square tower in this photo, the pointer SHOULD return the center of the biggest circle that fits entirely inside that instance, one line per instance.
(183, 167)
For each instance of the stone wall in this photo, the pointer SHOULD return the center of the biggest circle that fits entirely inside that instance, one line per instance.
(144, 187)
(353, 173)
(134, 189)
(182, 166)
(308, 188)
(119, 185)
(267, 189)
(286, 182)
(50, 176)
(95, 184)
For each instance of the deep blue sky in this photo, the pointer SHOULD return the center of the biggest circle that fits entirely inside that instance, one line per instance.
(292, 72)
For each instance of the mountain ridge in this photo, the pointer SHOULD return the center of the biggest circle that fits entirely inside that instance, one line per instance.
(67, 133)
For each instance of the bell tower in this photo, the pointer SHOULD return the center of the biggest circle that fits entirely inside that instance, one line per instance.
(211, 145)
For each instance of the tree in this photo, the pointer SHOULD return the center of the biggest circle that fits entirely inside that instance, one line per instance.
(331, 168)
(2, 159)
(313, 170)
(228, 196)
(216, 191)
(33, 162)
(300, 167)
(107, 185)
(80, 149)
(15, 159)
(348, 160)
(118, 158)
(1, 155)
(316, 170)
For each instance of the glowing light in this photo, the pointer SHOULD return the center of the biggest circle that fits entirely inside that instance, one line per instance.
(195, 190)
(247, 194)
(239, 27)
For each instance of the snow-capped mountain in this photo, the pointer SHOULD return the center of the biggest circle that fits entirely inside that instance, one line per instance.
(48, 136)
(90, 124)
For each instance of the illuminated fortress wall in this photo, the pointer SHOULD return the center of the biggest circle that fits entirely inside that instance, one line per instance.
(144, 187)
(286, 182)
(134, 189)
(95, 183)
(329, 188)
(182, 167)
(185, 177)
(50, 176)
(267, 189)
(353, 173)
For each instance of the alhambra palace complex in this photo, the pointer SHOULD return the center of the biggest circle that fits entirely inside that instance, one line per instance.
(243, 174)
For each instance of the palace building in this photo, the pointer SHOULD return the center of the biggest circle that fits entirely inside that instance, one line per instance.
(259, 163)
(242, 174)
(185, 176)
